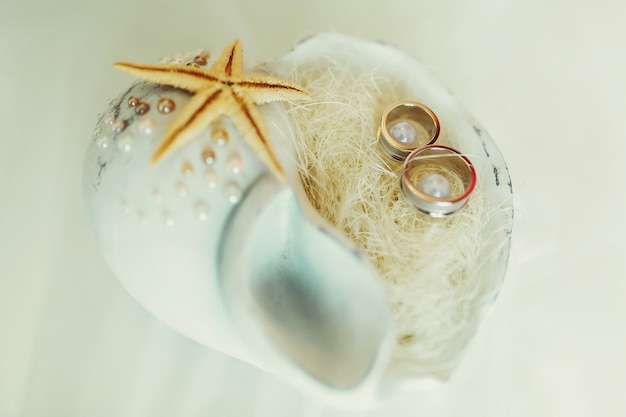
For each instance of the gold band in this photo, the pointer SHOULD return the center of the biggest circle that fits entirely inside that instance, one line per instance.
(405, 126)
(430, 203)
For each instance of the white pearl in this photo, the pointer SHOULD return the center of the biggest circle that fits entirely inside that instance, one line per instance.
(234, 163)
(233, 192)
(168, 218)
(211, 177)
(146, 126)
(181, 190)
(404, 133)
(202, 211)
(435, 185)
(102, 142)
(187, 169)
(124, 143)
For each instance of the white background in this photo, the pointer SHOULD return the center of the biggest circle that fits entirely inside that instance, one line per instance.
(548, 80)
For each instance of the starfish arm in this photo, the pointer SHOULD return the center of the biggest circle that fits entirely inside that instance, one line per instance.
(267, 89)
(254, 132)
(230, 62)
(222, 90)
(181, 76)
(202, 109)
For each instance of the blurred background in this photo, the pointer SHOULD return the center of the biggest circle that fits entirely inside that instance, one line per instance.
(546, 78)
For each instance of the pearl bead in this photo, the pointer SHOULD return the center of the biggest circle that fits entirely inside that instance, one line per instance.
(202, 211)
(181, 190)
(233, 192)
(211, 177)
(166, 106)
(132, 101)
(168, 218)
(208, 156)
(142, 108)
(435, 185)
(118, 126)
(187, 169)
(200, 60)
(102, 142)
(404, 133)
(234, 163)
(219, 136)
(124, 143)
(146, 126)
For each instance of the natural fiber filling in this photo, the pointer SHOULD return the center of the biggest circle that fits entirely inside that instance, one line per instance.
(428, 265)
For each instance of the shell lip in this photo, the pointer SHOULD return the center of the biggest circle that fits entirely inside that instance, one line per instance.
(306, 303)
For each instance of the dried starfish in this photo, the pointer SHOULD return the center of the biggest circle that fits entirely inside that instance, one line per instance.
(221, 90)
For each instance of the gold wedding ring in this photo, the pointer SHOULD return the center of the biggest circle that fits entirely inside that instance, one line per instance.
(437, 180)
(406, 126)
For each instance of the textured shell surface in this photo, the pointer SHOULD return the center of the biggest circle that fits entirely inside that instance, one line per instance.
(214, 246)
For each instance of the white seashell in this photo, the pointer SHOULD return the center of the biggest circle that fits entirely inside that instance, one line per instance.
(215, 247)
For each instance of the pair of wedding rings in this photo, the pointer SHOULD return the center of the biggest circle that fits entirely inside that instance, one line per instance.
(437, 179)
